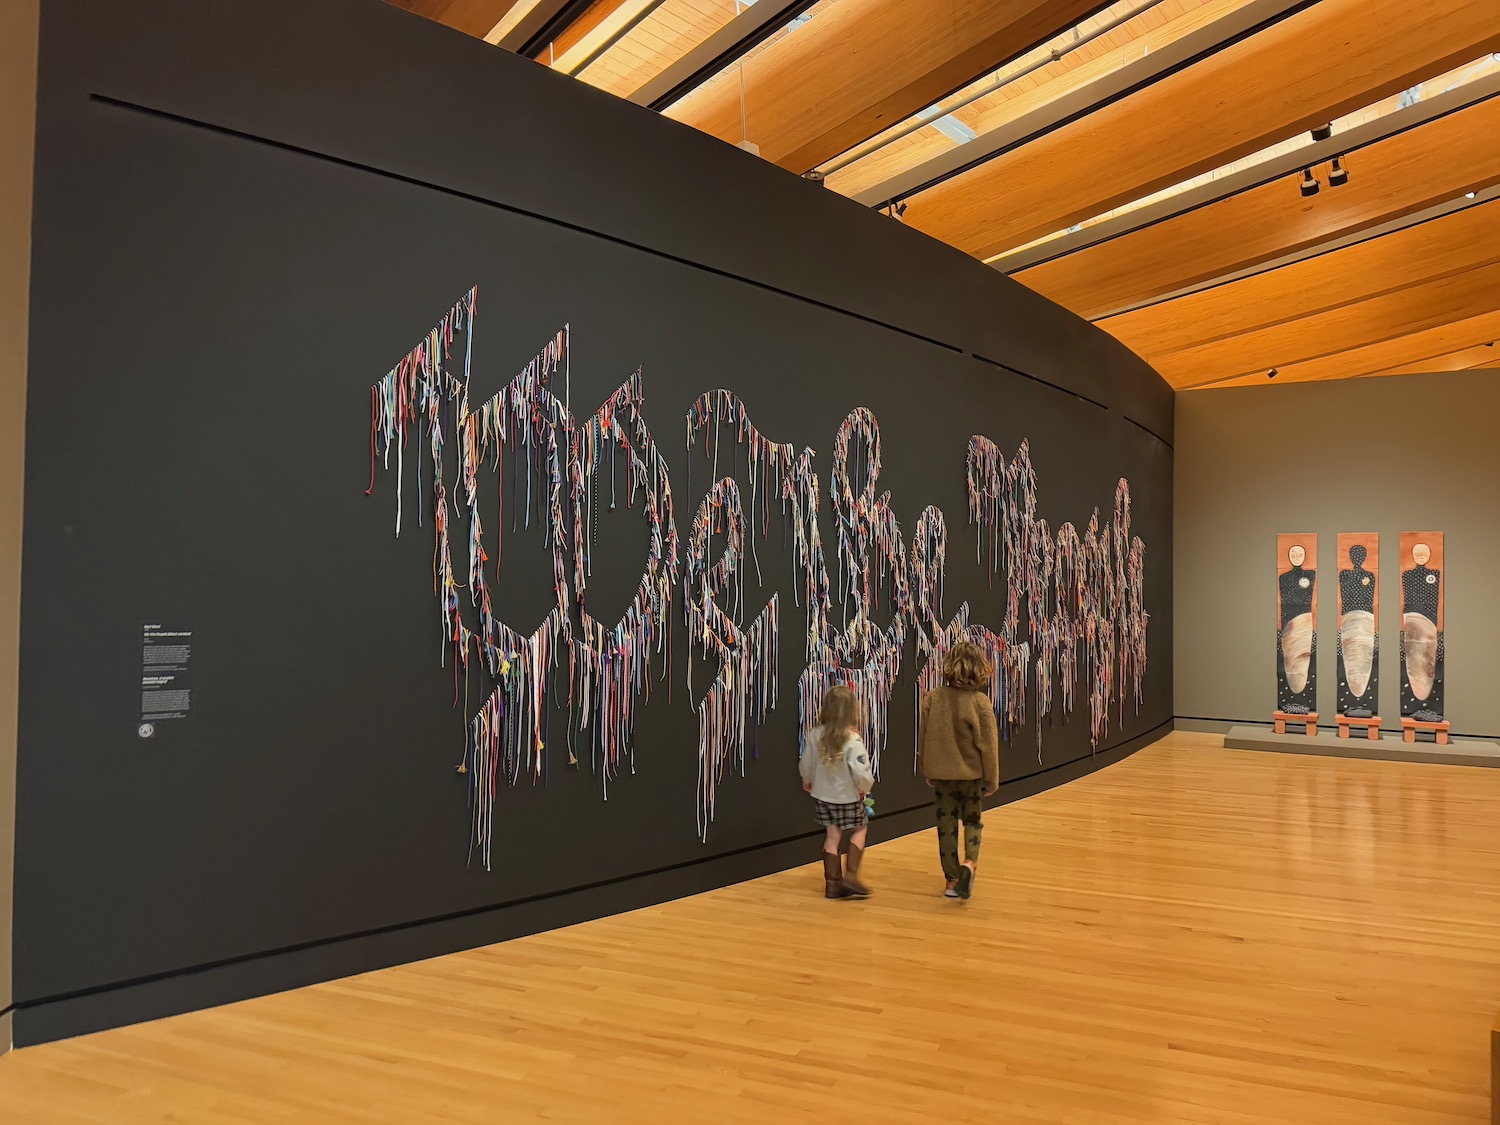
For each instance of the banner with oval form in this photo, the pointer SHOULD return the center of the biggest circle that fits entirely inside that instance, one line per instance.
(1297, 624)
(1359, 624)
(1423, 570)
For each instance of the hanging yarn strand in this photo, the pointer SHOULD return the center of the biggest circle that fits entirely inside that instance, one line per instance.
(1084, 596)
(612, 673)
(420, 397)
(860, 654)
(1074, 603)
(746, 685)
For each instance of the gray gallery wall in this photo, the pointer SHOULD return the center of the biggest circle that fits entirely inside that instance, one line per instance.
(18, 46)
(1407, 453)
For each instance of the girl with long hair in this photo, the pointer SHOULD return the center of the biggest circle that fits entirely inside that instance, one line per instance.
(835, 769)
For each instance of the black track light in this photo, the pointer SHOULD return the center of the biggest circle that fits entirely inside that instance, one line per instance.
(1323, 132)
(1310, 185)
(814, 176)
(1338, 175)
(1271, 374)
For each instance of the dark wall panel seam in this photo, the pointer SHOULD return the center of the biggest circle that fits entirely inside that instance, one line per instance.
(1148, 429)
(1039, 379)
(224, 130)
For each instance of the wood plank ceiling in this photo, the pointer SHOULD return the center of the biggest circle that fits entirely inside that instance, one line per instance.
(1139, 162)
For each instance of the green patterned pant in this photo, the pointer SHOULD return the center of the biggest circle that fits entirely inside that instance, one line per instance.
(959, 802)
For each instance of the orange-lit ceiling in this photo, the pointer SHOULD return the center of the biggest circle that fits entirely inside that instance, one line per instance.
(1143, 163)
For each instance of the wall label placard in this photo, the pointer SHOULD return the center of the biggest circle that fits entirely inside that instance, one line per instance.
(166, 676)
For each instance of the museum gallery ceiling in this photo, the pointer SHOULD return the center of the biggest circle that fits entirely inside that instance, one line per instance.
(1230, 187)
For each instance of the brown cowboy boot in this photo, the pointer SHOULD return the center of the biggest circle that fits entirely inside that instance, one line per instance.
(833, 877)
(851, 873)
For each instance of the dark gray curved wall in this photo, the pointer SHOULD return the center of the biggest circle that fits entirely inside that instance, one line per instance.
(245, 214)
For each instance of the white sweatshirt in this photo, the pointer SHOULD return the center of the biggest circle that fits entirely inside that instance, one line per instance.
(845, 781)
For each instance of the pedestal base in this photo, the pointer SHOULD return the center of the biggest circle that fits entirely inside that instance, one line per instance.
(1410, 727)
(1308, 721)
(1371, 723)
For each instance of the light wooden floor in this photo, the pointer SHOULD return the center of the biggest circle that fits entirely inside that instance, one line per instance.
(1194, 935)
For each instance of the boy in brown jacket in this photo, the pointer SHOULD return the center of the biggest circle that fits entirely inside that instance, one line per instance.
(958, 752)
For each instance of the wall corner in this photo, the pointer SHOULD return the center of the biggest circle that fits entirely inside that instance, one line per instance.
(19, 23)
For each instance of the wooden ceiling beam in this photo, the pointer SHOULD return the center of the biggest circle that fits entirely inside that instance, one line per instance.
(1387, 317)
(531, 24)
(1220, 186)
(1398, 176)
(473, 17)
(581, 40)
(1458, 241)
(857, 68)
(741, 34)
(1319, 64)
(1468, 359)
(1043, 107)
(1388, 354)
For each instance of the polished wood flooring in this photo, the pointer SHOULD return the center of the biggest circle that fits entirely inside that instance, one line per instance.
(1193, 935)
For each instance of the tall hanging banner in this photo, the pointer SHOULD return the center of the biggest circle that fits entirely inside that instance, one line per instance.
(1297, 624)
(1359, 629)
(1422, 571)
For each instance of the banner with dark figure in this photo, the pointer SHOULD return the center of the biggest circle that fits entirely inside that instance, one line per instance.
(1297, 624)
(1359, 630)
(1422, 571)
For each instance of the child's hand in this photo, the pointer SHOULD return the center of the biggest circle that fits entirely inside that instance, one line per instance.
(807, 789)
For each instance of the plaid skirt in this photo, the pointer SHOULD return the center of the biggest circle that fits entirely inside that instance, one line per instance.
(846, 817)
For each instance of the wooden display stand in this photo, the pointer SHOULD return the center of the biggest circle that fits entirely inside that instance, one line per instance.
(1409, 728)
(1371, 725)
(1495, 1072)
(1309, 721)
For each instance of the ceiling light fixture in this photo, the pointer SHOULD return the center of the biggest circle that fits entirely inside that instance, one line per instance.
(1323, 132)
(1338, 175)
(1310, 185)
(1271, 374)
(814, 176)
(1469, 194)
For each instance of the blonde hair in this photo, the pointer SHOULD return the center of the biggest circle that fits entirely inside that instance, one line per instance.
(966, 667)
(838, 717)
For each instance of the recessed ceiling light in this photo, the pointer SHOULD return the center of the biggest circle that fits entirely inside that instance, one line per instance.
(1469, 194)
